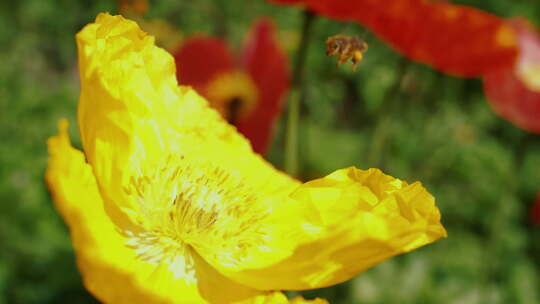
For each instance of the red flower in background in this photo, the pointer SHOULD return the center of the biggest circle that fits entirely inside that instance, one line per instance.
(458, 40)
(534, 213)
(514, 89)
(248, 92)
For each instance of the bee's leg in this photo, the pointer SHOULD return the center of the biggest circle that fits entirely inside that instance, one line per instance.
(344, 55)
(334, 49)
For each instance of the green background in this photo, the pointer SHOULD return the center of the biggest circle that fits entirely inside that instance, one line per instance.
(403, 117)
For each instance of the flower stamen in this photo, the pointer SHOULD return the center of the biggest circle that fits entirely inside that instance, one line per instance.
(187, 205)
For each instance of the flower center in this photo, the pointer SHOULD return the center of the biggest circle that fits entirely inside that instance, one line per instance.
(233, 94)
(185, 206)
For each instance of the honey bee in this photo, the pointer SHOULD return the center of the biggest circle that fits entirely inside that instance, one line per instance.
(346, 47)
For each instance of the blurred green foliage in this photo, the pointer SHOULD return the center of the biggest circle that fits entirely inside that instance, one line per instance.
(405, 118)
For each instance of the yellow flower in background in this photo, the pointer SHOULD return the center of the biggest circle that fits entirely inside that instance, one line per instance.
(168, 203)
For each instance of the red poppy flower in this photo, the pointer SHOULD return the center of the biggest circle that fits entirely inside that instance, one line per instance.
(534, 213)
(458, 40)
(249, 92)
(514, 90)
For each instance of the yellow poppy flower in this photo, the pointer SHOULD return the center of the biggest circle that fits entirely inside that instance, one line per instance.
(168, 203)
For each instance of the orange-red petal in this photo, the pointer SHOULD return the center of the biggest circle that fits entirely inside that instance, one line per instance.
(266, 63)
(200, 59)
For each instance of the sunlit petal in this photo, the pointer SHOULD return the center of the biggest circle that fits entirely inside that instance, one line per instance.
(350, 220)
(113, 268)
(187, 205)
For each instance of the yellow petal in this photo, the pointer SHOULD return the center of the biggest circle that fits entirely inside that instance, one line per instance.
(138, 126)
(112, 270)
(114, 102)
(132, 114)
(173, 174)
(351, 220)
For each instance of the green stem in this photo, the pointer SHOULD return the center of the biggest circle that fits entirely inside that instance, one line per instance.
(220, 18)
(291, 144)
(298, 69)
(296, 97)
(384, 117)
